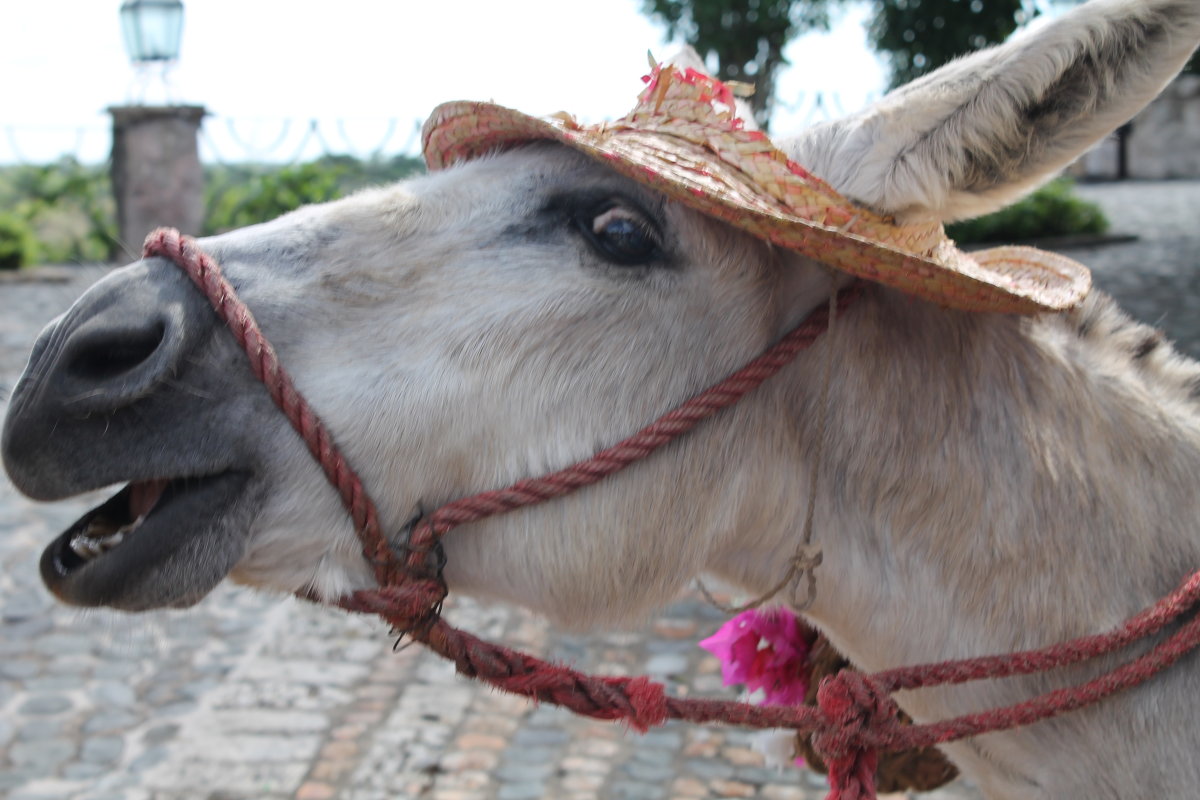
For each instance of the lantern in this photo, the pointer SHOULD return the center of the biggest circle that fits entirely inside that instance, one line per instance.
(152, 29)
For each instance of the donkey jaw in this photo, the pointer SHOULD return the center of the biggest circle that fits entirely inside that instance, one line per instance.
(116, 553)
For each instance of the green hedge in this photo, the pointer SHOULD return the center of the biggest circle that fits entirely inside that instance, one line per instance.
(1053, 210)
(68, 207)
(18, 247)
(245, 194)
(271, 193)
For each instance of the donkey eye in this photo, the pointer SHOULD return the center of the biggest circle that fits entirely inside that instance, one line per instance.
(622, 236)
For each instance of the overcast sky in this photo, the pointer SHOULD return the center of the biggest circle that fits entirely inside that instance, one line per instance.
(255, 63)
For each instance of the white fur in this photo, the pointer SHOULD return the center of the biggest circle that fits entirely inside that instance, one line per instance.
(987, 483)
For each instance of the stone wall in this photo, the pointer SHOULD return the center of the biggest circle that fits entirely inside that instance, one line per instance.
(1163, 141)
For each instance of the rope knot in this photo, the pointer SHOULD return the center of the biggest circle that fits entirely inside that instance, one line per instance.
(804, 565)
(855, 710)
(648, 704)
(410, 607)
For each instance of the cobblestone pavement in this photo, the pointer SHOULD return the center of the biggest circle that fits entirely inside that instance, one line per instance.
(1157, 277)
(250, 696)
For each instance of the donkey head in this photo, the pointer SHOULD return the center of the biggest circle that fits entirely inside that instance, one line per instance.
(507, 317)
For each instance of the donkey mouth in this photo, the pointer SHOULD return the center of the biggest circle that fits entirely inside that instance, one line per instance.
(145, 531)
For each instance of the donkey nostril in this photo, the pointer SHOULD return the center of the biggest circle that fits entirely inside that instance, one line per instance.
(115, 352)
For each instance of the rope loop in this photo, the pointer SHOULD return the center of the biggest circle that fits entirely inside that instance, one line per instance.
(804, 565)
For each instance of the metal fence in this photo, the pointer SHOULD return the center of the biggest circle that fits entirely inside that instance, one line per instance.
(294, 140)
(224, 140)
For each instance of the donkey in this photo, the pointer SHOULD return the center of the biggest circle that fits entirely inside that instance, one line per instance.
(989, 482)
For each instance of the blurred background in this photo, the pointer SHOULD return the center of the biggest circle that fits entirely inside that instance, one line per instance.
(283, 105)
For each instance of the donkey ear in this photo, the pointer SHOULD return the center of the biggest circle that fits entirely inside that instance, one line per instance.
(688, 58)
(980, 132)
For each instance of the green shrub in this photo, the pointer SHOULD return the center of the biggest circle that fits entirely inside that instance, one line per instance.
(245, 194)
(1053, 210)
(18, 247)
(260, 195)
(69, 207)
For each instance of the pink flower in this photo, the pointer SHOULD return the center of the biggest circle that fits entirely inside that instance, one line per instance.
(765, 650)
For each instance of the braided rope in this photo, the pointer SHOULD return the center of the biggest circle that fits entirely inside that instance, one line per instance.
(1146, 623)
(855, 718)
(206, 274)
(665, 429)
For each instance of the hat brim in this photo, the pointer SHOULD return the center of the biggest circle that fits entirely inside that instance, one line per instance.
(1021, 280)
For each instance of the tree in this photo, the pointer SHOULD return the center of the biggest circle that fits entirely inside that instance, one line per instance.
(745, 37)
(921, 35)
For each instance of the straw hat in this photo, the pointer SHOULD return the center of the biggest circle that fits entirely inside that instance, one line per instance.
(684, 139)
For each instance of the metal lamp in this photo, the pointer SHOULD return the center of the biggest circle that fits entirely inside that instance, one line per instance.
(152, 29)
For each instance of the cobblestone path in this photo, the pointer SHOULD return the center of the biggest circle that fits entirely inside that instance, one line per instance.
(248, 696)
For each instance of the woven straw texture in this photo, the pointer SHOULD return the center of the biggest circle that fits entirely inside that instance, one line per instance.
(683, 139)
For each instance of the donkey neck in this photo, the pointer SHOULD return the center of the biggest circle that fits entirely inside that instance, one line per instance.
(992, 484)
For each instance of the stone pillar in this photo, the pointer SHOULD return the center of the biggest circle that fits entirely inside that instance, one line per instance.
(156, 174)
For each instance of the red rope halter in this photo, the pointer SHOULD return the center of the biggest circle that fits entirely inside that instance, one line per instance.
(855, 718)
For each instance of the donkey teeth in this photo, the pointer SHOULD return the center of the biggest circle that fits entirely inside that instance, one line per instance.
(88, 546)
(85, 548)
(109, 542)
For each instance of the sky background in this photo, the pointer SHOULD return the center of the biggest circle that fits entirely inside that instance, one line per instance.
(367, 70)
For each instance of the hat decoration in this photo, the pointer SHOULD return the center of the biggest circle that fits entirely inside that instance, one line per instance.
(684, 139)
